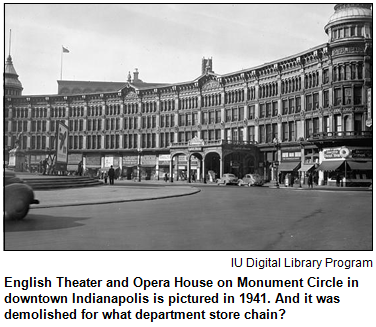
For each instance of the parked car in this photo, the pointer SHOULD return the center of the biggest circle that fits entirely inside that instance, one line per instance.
(227, 179)
(18, 196)
(251, 180)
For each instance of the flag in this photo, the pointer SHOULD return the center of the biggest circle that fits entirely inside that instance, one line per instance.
(65, 50)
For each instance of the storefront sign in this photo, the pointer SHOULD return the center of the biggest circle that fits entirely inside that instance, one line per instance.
(164, 157)
(362, 153)
(195, 148)
(93, 161)
(130, 161)
(291, 155)
(108, 161)
(369, 108)
(74, 158)
(332, 153)
(149, 160)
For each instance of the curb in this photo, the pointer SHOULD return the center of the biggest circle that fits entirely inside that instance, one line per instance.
(83, 203)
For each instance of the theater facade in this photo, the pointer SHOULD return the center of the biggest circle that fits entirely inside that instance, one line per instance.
(309, 112)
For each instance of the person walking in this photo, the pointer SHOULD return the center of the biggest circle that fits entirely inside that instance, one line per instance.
(111, 175)
(310, 180)
(80, 168)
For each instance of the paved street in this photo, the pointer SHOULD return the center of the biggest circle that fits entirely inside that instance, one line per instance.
(207, 217)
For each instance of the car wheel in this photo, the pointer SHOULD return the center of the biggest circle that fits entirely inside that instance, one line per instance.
(17, 201)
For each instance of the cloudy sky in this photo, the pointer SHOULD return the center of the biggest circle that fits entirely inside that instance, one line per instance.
(165, 42)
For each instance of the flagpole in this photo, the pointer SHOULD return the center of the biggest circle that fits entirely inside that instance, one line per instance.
(61, 69)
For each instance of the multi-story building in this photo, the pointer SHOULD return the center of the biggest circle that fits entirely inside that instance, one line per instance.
(311, 111)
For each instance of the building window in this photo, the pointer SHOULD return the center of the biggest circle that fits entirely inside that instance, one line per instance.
(315, 101)
(285, 131)
(251, 133)
(357, 95)
(275, 108)
(262, 110)
(251, 112)
(325, 76)
(348, 97)
(326, 99)
(338, 124)
(285, 108)
(309, 103)
(337, 97)
(298, 104)
(291, 131)
(309, 128)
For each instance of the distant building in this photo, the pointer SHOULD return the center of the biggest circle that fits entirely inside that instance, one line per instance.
(310, 112)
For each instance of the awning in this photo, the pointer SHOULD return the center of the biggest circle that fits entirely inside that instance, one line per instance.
(306, 167)
(289, 166)
(331, 165)
(360, 165)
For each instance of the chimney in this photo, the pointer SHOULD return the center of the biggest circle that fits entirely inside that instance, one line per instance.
(207, 66)
(135, 75)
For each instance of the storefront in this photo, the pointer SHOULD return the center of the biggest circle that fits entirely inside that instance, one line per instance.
(130, 163)
(346, 166)
(289, 167)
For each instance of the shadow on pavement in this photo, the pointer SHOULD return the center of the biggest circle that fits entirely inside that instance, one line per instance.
(41, 222)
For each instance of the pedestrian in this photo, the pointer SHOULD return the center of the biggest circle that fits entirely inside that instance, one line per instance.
(338, 180)
(105, 176)
(44, 164)
(165, 177)
(111, 175)
(193, 178)
(310, 180)
(80, 168)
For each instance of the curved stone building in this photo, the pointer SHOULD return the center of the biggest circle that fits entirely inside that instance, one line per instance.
(310, 112)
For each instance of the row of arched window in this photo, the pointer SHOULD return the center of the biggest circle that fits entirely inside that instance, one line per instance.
(291, 85)
(211, 100)
(76, 112)
(234, 96)
(348, 71)
(39, 112)
(21, 112)
(268, 90)
(188, 103)
(311, 79)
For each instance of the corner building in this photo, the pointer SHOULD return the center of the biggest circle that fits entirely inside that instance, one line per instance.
(309, 112)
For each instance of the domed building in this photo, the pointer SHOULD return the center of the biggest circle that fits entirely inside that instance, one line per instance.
(308, 113)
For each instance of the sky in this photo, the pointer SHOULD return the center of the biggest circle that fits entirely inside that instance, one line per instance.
(165, 42)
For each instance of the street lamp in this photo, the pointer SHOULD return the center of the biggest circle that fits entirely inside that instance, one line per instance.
(139, 151)
(277, 144)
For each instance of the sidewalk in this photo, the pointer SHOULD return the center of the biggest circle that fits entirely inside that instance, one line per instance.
(318, 187)
(120, 192)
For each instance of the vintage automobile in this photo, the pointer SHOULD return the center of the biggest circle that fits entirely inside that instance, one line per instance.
(18, 196)
(251, 180)
(227, 179)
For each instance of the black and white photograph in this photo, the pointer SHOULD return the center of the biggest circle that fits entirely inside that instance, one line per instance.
(188, 127)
